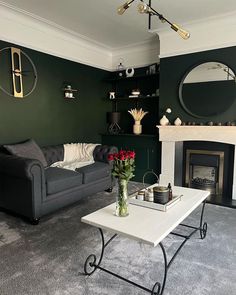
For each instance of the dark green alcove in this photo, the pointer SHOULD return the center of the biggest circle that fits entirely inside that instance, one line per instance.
(45, 115)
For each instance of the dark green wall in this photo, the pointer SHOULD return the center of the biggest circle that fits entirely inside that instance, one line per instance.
(173, 69)
(45, 115)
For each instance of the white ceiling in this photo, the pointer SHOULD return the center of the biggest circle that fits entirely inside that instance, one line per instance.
(98, 20)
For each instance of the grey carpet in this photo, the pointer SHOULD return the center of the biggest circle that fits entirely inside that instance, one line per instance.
(49, 258)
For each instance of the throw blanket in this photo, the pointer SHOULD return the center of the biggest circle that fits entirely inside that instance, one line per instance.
(76, 155)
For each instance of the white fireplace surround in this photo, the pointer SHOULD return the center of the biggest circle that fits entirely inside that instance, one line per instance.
(172, 137)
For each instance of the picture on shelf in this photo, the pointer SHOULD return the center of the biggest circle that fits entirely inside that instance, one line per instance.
(152, 69)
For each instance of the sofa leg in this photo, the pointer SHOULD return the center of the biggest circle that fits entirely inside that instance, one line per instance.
(34, 221)
(109, 190)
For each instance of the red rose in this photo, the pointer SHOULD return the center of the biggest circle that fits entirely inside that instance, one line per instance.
(122, 157)
(116, 156)
(110, 157)
(132, 155)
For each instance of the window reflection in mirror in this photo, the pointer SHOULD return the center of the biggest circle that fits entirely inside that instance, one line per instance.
(208, 89)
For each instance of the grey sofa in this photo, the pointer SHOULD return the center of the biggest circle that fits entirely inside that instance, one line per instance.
(31, 190)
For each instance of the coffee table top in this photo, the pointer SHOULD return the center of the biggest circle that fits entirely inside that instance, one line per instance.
(148, 225)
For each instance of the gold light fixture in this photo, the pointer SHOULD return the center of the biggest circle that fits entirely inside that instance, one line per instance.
(147, 8)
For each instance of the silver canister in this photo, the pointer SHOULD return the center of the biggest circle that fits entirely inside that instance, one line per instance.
(150, 195)
(140, 196)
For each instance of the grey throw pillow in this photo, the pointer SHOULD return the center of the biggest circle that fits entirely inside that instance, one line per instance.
(28, 149)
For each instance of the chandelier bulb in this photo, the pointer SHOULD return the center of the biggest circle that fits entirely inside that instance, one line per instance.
(184, 34)
(143, 8)
(124, 7)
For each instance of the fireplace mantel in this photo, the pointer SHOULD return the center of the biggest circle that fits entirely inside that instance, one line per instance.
(172, 136)
(224, 134)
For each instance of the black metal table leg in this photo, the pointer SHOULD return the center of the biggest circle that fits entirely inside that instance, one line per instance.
(91, 264)
(162, 286)
(203, 226)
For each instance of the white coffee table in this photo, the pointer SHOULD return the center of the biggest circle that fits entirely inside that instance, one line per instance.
(148, 226)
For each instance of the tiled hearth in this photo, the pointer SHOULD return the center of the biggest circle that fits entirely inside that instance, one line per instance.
(172, 138)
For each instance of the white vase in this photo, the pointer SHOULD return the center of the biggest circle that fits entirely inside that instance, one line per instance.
(137, 128)
(177, 122)
(164, 121)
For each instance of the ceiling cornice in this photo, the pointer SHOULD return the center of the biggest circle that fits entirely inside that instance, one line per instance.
(82, 49)
(206, 34)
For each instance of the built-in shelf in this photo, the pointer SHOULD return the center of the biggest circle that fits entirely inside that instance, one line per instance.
(141, 97)
(130, 135)
(117, 78)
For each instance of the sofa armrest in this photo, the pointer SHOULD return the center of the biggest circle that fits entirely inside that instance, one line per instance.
(18, 166)
(22, 185)
(101, 152)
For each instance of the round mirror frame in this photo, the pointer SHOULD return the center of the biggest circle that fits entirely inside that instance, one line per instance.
(181, 99)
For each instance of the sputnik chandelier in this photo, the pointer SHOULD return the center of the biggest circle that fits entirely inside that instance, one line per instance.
(147, 8)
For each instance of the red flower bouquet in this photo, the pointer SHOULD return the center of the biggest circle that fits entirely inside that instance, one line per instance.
(123, 164)
(123, 168)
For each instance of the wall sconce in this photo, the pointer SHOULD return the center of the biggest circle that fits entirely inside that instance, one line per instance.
(69, 92)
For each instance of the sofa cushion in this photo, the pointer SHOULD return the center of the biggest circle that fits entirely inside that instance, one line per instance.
(59, 179)
(53, 153)
(28, 149)
(94, 171)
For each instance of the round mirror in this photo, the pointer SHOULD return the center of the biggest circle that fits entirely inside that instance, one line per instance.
(208, 89)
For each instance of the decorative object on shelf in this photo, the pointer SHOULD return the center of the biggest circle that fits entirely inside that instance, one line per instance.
(210, 123)
(177, 122)
(147, 9)
(137, 128)
(152, 69)
(120, 67)
(113, 119)
(112, 94)
(138, 115)
(69, 92)
(129, 72)
(22, 73)
(164, 121)
(135, 93)
(123, 168)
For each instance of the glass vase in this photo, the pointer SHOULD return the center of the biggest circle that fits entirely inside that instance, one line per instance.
(122, 204)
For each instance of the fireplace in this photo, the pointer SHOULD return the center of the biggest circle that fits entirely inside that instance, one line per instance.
(204, 170)
(176, 140)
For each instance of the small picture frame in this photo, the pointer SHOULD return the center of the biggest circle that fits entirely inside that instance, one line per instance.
(152, 69)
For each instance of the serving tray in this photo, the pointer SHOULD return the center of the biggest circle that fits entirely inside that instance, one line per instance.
(155, 206)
